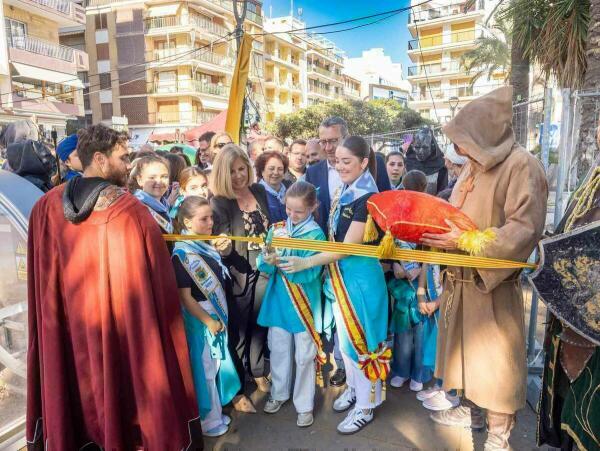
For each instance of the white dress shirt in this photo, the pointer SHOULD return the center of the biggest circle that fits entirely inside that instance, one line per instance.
(334, 181)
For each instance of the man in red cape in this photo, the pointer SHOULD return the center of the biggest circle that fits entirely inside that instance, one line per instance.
(108, 362)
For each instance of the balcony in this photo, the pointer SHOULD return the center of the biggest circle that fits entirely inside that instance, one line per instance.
(155, 25)
(327, 73)
(254, 17)
(443, 13)
(449, 39)
(183, 117)
(327, 54)
(190, 86)
(435, 69)
(48, 100)
(64, 12)
(185, 55)
(319, 90)
(426, 95)
(47, 55)
(354, 93)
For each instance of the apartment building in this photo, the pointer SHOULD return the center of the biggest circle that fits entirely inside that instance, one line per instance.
(443, 30)
(285, 81)
(40, 79)
(379, 76)
(165, 65)
(324, 61)
(352, 87)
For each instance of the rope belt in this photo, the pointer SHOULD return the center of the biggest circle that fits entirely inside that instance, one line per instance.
(365, 250)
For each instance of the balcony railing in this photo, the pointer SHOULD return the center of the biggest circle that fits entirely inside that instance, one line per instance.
(186, 86)
(319, 90)
(327, 73)
(352, 92)
(177, 54)
(253, 17)
(458, 91)
(193, 20)
(433, 69)
(427, 13)
(40, 47)
(329, 54)
(442, 39)
(191, 117)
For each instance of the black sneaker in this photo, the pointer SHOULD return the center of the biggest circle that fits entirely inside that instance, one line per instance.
(339, 378)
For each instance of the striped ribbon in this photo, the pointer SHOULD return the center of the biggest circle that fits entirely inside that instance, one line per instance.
(365, 250)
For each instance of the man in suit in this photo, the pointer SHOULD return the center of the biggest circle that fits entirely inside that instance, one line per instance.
(326, 179)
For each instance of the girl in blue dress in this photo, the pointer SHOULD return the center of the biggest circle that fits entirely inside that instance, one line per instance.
(291, 308)
(356, 288)
(202, 278)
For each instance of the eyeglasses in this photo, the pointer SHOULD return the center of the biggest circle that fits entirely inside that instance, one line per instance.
(221, 145)
(331, 142)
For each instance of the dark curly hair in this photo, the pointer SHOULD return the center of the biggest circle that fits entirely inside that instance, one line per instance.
(261, 162)
(98, 138)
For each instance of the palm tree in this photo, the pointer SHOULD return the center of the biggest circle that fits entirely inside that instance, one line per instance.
(491, 55)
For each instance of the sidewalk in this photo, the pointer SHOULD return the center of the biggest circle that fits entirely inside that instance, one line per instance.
(400, 424)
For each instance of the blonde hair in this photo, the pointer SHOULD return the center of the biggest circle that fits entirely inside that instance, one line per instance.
(220, 176)
(213, 141)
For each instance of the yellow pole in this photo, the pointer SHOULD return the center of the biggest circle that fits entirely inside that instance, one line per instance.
(233, 122)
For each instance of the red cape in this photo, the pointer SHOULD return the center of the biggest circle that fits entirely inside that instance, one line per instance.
(108, 359)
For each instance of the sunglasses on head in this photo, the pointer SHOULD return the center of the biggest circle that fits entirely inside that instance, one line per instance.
(221, 145)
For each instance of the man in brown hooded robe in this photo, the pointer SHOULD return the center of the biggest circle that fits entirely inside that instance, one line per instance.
(481, 341)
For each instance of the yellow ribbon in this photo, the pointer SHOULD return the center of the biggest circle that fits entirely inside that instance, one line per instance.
(365, 250)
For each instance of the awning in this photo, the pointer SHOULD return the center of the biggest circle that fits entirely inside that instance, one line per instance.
(37, 73)
(163, 10)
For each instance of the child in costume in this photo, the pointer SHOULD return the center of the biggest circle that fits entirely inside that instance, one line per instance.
(291, 308)
(192, 182)
(150, 181)
(201, 278)
(355, 287)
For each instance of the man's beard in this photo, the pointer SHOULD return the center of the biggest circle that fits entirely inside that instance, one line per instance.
(116, 177)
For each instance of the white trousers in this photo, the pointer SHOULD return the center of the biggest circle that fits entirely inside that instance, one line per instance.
(282, 344)
(361, 385)
(211, 368)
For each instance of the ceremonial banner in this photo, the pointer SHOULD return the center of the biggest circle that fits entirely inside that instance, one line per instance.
(568, 279)
(238, 89)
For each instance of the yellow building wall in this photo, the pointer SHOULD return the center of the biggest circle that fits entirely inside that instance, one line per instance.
(430, 37)
(463, 31)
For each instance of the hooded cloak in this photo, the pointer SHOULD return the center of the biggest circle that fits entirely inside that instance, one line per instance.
(481, 341)
(424, 154)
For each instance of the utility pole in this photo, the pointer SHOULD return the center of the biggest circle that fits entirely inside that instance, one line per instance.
(240, 17)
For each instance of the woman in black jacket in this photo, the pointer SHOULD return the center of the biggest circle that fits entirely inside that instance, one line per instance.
(240, 208)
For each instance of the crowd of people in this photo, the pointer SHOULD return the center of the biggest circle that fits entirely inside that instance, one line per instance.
(138, 340)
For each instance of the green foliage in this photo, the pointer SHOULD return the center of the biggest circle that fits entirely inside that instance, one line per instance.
(364, 118)
(492, 54)
(552, 34)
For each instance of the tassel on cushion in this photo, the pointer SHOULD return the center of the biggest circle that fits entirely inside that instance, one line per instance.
(387, 246)
(475, 241)
(371, 233)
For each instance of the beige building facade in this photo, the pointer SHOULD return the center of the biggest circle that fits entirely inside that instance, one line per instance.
(40, 79)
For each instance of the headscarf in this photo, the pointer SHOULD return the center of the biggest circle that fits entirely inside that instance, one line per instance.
(454, 157)
(362, 185)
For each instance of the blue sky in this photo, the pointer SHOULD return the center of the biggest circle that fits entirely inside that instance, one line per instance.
(391, 34)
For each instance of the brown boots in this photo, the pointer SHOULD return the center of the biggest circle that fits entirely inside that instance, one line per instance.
(499, 427)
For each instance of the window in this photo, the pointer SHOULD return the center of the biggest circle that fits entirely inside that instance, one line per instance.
(105, 81)
(107, 111)
(101, 21)
(16, 32)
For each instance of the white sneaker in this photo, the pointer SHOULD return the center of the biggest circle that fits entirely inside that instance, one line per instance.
(272, 405)
(355, 421)
(305, 420)
(441, 401)
(415, 386)
(217, 431)
(226, 420)
(428, 393)
(345, 400)
(398, 381)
